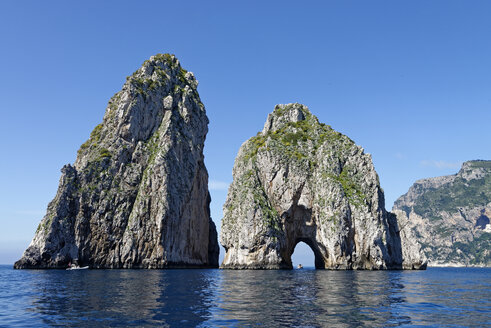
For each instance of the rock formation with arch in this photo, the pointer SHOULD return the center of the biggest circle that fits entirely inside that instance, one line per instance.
(299, 180)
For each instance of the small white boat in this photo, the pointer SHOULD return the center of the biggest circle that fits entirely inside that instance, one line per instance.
(299, 266)
(77, 268)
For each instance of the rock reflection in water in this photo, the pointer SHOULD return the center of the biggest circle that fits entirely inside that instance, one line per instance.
(357, 298)
(71, 298)
(308, 297)
(187, 301)
(265, 297)
(122, 297)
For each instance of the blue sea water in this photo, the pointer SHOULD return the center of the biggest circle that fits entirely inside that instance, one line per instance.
(440, 297)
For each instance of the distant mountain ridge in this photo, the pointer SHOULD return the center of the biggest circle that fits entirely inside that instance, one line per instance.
(450, 215)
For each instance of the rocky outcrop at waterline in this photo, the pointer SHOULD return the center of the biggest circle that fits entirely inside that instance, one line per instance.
(450, 216)
(300, 181)
(137, 194)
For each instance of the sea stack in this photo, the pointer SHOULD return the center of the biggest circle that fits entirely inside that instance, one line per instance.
(137, 195)
(450, 215)
(300, 181)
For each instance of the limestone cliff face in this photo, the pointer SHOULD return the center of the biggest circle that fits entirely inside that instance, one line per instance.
(299, 180)
(137, 195)
(450, 215)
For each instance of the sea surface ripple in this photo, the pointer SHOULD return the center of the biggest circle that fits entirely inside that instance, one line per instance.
(439, 297)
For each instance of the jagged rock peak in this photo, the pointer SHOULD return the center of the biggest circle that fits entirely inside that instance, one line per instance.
(476, 169)
(137, 195)
(135, 113)
(284, 114)
(300, 181)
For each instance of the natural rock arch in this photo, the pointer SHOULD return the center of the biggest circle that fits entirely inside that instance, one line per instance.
(299, 180)
(314, 247)
(300, 227)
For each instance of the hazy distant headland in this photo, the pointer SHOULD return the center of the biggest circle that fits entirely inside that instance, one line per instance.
(450, 215)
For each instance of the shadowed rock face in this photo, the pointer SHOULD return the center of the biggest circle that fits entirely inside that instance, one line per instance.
(299, 180)
(137, 195)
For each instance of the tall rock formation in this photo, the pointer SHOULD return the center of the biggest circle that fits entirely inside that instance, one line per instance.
(450, 215)
(300, 181)
(137, 195)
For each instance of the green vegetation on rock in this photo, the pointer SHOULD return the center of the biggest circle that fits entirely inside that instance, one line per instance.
(352, 189)
(479, 249)
(480, 164)
(299, 141)
(454, 195)
(94, 138)
(164, 66)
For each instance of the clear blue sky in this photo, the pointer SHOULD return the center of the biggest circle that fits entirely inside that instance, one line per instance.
(408, 80)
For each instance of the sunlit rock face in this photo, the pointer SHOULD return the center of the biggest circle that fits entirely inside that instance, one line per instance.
(299, 180)
(137, 195)
(450, 215)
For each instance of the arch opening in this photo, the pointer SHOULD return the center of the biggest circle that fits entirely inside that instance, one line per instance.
(306, 254)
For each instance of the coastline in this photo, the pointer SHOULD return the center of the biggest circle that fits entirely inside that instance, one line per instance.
(456, 265)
